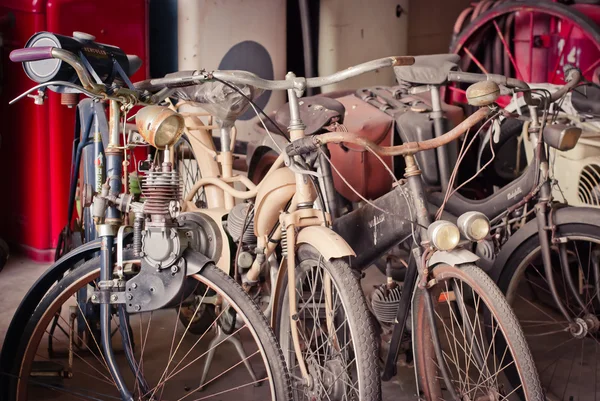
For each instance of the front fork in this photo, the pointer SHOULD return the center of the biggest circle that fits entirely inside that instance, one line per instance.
(112, 219)
(545, 224)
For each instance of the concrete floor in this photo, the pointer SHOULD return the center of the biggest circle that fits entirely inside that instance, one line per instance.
(20, 273)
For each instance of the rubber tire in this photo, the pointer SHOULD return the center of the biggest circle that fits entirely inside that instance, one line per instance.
(358, 315)
(509, 270)
(221, 280)
(423, 349)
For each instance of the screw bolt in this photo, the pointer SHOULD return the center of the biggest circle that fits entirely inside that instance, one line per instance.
(137, 307)
(134, 286)
(129, 297)
(114, 298)
(94, 297)
(174, 269)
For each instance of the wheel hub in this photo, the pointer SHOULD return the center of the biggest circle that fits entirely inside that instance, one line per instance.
(592, 323)
(326, 382)
(332, 381)
(578, 328)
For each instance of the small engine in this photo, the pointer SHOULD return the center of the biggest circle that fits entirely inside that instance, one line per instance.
(235, 224)
(385, 302)
(161, 243)
(240, 225)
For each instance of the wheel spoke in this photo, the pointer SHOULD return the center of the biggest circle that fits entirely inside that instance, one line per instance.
(475, 60)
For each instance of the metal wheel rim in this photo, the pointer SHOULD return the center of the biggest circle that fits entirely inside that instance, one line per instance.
(47, 317)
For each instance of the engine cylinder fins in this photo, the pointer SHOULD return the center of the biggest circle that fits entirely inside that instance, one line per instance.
(589, 185)
(385, 303)
(159, 188)
(235, 224)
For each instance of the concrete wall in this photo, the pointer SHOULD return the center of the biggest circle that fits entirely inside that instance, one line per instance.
(430, 24)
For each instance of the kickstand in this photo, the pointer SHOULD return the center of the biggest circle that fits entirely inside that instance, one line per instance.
(221, 337)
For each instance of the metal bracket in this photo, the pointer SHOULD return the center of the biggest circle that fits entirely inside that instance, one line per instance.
(120, 235)
(108, 297)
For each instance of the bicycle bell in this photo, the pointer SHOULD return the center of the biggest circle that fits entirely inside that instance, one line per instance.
(483, 93)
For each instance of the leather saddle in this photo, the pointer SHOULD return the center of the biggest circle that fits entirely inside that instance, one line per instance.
(316, 112)
(428, 70)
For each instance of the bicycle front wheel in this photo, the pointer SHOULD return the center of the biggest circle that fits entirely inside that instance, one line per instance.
(335, 332)
(60, 353)
(484, 353)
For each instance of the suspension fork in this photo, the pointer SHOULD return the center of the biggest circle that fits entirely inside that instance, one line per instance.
(541, 213)
(114, 159)
(105, 311)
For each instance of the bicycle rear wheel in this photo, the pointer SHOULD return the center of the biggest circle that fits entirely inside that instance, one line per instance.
(484, 352)
(168, 361)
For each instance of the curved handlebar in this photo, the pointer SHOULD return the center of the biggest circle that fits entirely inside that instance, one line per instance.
(31, 54)
(187, 78)
(293, 82)
(313, 142)
(572, 77)
(48, 52)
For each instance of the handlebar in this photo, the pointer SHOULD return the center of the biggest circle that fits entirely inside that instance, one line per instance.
(572, 77)
(291, 82)
(31, 54)
(49, 52)
(313, 142)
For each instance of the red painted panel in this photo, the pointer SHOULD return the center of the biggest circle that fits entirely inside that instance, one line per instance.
(37, 140)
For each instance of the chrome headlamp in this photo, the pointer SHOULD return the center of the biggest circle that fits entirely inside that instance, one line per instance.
(444, 235)
(160, 126)
(474, 226)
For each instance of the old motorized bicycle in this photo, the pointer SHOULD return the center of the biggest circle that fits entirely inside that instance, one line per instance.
(140, 281)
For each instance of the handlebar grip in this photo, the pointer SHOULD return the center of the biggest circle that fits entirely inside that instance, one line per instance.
(31, 54)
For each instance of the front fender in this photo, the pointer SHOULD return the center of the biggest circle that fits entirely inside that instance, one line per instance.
(33, 298)
(329, 243)
(453, 258)
(565, 215)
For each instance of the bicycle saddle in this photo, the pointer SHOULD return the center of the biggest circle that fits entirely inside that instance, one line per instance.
(316, 112)
(428, 70)
(494, 204)
(586, 99)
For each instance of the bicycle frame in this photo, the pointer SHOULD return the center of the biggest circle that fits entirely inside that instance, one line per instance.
(283, 199)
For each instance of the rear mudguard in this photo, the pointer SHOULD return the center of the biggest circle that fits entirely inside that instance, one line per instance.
(565, 215)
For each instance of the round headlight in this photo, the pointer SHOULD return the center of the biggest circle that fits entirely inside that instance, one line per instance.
(475, 226)
(160, 126)
(444, 235)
